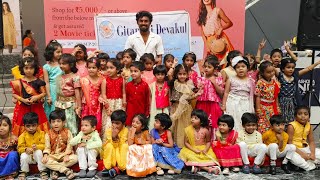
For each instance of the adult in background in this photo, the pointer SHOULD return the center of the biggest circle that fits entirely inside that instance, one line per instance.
(145, 41)
(28, 39)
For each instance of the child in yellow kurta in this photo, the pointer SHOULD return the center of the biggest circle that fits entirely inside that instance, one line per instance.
(301, 135)
(30, 146)
(277, 141)
(58, 153)
(116, 146)
(197, 151)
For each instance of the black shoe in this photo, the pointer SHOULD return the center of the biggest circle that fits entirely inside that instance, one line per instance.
(273, 170)
(285, 168)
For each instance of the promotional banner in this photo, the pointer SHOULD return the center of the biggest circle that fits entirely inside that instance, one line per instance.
(11, 27)
(72, 21)
(309, 86)
(112, 31)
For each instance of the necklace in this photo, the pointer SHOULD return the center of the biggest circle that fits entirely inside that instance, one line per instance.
(6, 146)
(197, 134)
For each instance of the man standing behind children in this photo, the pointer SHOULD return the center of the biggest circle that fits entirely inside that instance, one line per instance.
(276, 140)
(89, 146)
(30, 146)
(250, 142)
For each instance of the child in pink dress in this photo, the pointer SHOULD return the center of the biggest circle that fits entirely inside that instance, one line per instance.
(80, 52)
(209, 100)
(92, 87)
(148, 61)
(189, 59)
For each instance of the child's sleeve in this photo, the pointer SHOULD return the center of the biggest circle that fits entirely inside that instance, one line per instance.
(95, 141)
(147, 99)
(21, 144)
(76, 82)
(68, 150)
(41, 142)
(76, 140)
(124, 136)
(47, 149)
(265, 137)
(240, 137)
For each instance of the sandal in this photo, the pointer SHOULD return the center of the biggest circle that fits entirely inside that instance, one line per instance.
(22, 176)
(69, 174)
(194, 169)
(54, 175)
(214, 170)
(44, 175)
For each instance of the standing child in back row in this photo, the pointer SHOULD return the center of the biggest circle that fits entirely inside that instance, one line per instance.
(137, 94)
(181, 95)
(267, 91)
(51, 71)
(29, 92)
(239, 92)
(94, 91)
(160, 93)
(68, 92)
(148, 61)
(115, 94)
(213, 88)
(288, 78)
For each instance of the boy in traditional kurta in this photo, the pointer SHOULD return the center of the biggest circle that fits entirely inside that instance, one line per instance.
(250, 142)
(89, 146)
(30, 146)
(301, 135)
(276, 140)
(138, 94)
(58, 153)
(116, 146)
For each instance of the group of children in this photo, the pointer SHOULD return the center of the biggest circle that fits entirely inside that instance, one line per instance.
(194, 120)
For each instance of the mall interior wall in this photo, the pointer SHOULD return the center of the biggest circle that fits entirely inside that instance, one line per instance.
(278, 21)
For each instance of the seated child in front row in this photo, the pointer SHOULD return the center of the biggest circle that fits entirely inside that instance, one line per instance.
(140, 161)
(164, 151)
(250, 142)
(116, 147)
(89, 146)
(276, 140)
(9, 157)
(225, 147)
(301, 135)
(30, 146)
(58, 154)
(197, 151)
